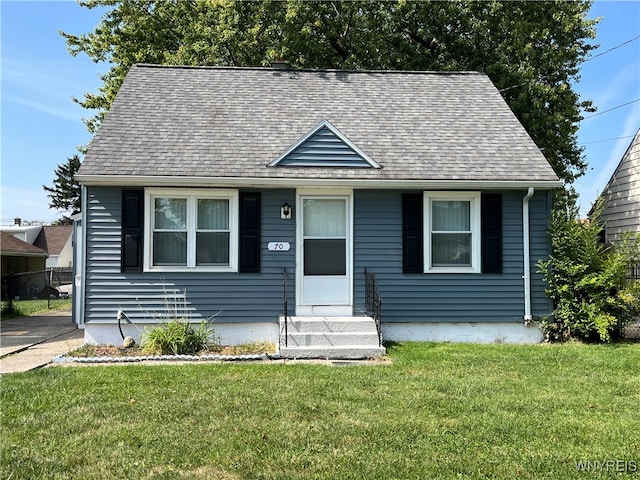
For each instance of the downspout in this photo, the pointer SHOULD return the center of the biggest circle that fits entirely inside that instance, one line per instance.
(527, 262)
(83, 264)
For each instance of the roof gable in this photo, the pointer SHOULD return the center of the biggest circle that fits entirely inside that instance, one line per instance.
(52, 239)
(324, 146)
(622, 194)
(629, 160)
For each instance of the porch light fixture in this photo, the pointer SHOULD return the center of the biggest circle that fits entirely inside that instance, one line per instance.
(285, 211)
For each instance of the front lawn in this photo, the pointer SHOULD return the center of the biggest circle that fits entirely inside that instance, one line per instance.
(34, 307)
(432, 411)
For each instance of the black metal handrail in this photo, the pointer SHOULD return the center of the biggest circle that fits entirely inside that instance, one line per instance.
(372, 301)
(285, 306)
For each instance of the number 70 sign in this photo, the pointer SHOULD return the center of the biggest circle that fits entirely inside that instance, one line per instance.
(278, 246)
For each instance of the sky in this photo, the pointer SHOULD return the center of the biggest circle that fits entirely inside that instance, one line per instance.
(41, 126)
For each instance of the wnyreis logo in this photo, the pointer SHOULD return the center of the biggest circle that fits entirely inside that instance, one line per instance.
(596, 466)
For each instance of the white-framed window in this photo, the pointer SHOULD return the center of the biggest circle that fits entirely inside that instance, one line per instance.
(452, 232)
(191, 229)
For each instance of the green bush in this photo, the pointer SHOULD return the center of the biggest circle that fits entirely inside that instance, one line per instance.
(587, 280)
(5, 308)
(178, 337)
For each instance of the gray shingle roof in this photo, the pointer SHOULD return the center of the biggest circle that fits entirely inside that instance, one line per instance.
(12, 246)
(53, 238)
(233, 122)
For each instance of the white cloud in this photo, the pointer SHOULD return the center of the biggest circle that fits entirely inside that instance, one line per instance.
(608, 95)
(46, 86)
(50, 108)
(630, 127)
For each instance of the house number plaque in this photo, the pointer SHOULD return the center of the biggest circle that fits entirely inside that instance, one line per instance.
(278, 246)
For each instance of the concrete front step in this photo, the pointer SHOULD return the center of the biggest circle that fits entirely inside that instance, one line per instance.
(329, 324)
(344, 352)
(330, 337)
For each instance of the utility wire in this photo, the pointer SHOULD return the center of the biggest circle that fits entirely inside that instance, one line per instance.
(612, 48)
(607, 140)
(613, 108)
(591, 58)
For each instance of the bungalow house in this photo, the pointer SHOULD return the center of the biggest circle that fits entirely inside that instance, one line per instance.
(263, 195)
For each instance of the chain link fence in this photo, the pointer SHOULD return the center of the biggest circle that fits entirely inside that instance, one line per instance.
(631, 331)
(43, 284)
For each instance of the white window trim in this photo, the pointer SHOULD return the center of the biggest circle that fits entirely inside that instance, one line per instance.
(474, 199)
(192, 196)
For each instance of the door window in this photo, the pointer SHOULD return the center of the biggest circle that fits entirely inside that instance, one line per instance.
(325, 237)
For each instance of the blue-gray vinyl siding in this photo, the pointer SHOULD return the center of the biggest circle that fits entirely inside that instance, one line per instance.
(324, 149)
(242, 297)
(455, 297)
(239, 297)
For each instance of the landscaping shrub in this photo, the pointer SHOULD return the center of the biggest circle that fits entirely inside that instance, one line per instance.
(5, 308)
(587, 279)
(178, 337)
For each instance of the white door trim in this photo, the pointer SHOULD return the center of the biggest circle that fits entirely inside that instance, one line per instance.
(342, 309)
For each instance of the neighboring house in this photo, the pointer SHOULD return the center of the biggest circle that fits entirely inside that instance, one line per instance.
(19, 257)
(40, 248)
(621, 213)
(26, 233)
(212, 189)
(56, 240)
(622, 195)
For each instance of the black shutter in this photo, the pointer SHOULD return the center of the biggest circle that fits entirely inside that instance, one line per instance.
(132, 230)
(249, 235)
(412, 241)
(491, 233)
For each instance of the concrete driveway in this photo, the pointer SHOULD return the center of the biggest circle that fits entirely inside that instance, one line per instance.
(32, 342)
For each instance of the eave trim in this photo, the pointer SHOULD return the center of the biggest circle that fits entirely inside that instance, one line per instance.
(257, 182)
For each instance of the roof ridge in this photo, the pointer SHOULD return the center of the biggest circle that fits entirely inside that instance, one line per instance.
(307, 70)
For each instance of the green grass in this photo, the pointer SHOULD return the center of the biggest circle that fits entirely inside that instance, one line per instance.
(34, 307)
(433, 411)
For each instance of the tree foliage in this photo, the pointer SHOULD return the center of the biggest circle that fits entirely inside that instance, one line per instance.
(587, 280)
(530, 50)
(65, 192)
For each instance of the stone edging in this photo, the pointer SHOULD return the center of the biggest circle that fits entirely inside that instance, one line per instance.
(63, 358)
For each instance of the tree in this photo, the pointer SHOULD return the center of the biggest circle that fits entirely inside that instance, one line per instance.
(588, 280)
(65, 192)
(530, 50)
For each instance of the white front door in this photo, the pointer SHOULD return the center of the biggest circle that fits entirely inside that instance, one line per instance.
(324, 255)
